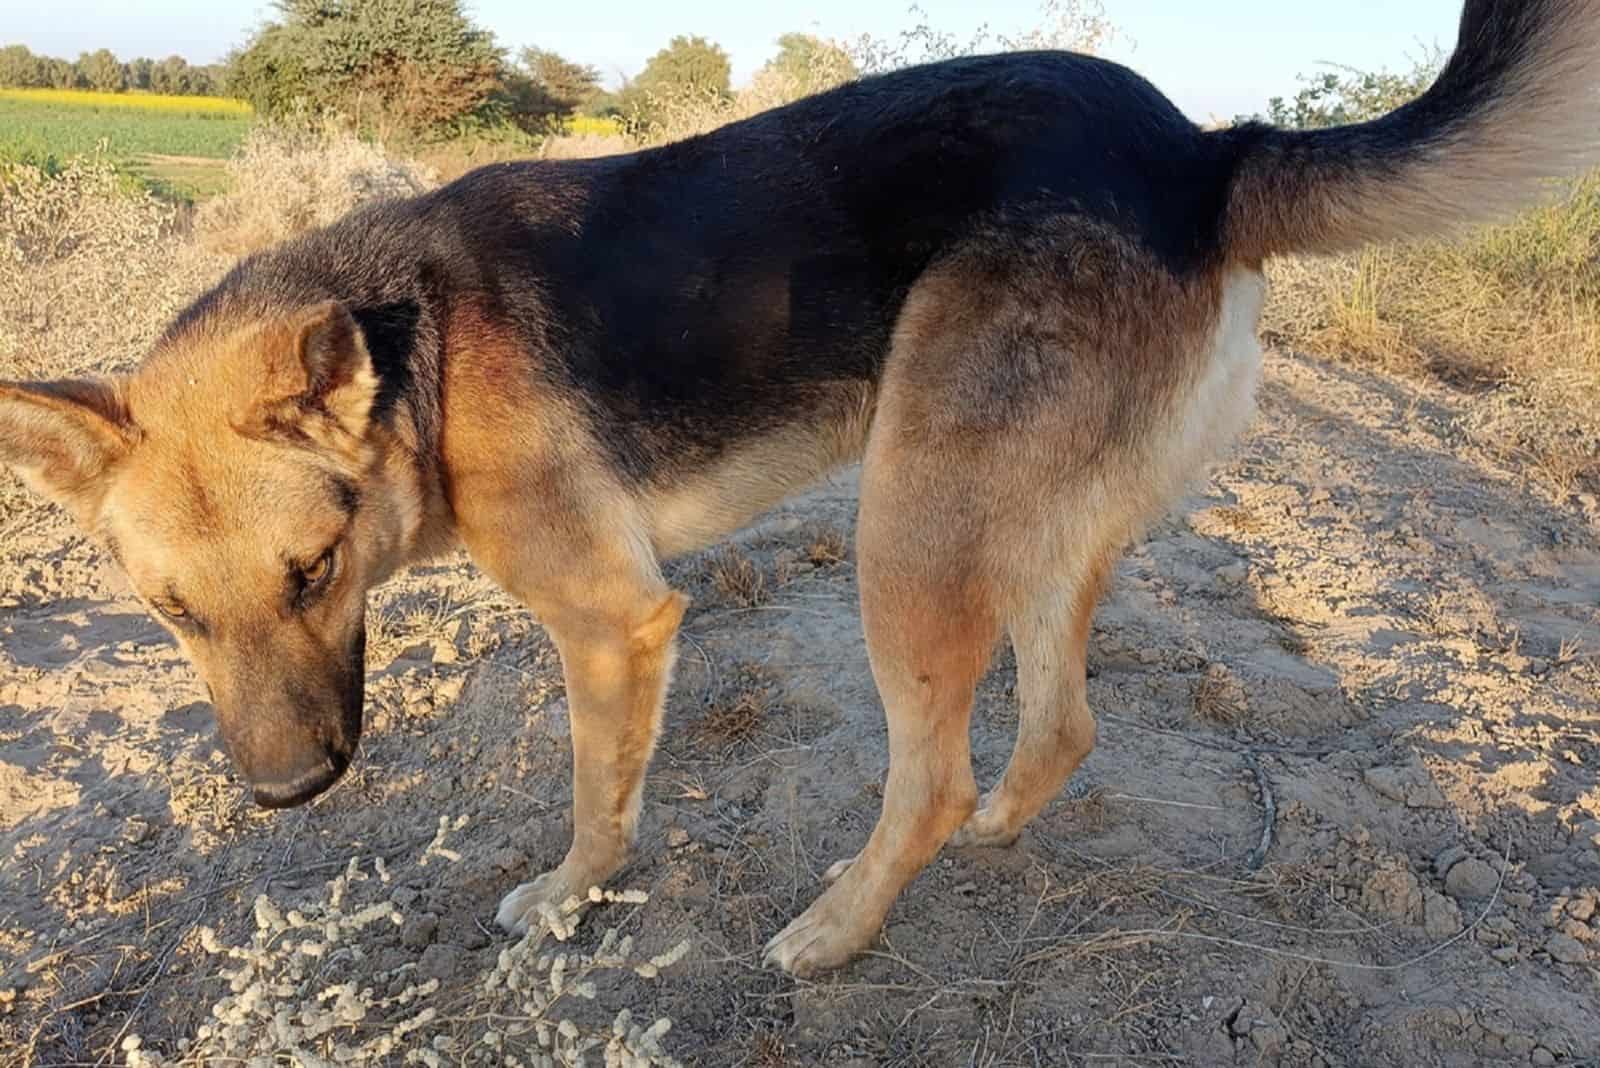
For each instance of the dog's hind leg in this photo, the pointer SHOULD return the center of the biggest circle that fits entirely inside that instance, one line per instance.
(930, 628)
(1050, 633)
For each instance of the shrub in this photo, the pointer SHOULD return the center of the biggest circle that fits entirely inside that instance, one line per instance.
(90, 270)
(419, 68)
(292, 177)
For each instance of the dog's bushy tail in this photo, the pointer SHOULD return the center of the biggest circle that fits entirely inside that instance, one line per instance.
(1515, 104)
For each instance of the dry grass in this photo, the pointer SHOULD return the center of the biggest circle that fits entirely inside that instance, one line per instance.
(585, 146)
(742, 708)
(446, 161)
(90, 272)
(738, 579)
(1511, 312)
(1219, 699)
(288, 179)
(826, 546)
(731, 723)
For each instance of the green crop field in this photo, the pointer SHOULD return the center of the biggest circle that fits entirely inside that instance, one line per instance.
(176, 144)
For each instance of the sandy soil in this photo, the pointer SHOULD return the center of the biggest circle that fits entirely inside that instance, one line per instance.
(1359, 622)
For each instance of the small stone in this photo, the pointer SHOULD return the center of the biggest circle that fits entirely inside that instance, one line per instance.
(1388, 782)
(1581, 908)
(1440, 916)
(677, 837)
(1233, 574)
(1566, 949)
(419, 931)
(1448, 858)
(1519, 1045)
(1506, 954)
(1425, 795)
(509, 859)
(1471, 878)
(439, 961)
(1542, 1057)
(967, 888)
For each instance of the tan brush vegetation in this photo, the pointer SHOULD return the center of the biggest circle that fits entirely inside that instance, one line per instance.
(288, 178)
(1512, 311)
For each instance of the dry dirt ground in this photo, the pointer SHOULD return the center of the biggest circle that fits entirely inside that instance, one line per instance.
(1359, 626)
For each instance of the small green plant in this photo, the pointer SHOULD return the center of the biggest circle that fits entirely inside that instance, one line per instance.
(1343, 95)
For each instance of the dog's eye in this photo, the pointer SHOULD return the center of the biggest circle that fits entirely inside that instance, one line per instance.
(319, 571)
(314, 576)
(172, 610)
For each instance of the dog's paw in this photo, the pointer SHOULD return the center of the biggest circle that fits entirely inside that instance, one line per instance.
(519, 909)
(835, 928)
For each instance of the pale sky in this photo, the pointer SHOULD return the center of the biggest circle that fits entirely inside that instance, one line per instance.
(1221, 57)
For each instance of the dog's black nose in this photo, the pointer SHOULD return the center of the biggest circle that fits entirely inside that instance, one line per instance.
(304, 787)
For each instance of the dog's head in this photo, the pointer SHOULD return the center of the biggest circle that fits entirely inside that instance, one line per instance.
(243, 481)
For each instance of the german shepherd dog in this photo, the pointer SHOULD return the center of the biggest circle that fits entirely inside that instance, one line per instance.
(1022, 290)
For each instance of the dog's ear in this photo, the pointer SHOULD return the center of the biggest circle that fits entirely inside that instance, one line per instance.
(64, 437)
(324, 382)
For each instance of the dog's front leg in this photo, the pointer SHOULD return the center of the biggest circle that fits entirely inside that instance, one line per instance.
(617, 676)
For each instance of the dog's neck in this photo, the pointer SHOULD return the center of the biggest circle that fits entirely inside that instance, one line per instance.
(406, 342)
(401, 310)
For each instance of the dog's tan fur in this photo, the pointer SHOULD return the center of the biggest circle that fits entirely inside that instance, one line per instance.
(1050, 382)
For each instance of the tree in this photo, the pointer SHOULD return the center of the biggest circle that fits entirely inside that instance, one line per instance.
(21, 69)
(570, 86)
(208, 80)
(1345, 95)
(810, 63)
(102, 71)
(139, 71)
(421, 66)
(171, 75)
(687, 65)
(61, 74)
(1066, 25)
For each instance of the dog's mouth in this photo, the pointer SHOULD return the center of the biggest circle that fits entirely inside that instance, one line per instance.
(303, 787)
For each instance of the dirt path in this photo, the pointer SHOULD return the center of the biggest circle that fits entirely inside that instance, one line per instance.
(1400, 641)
